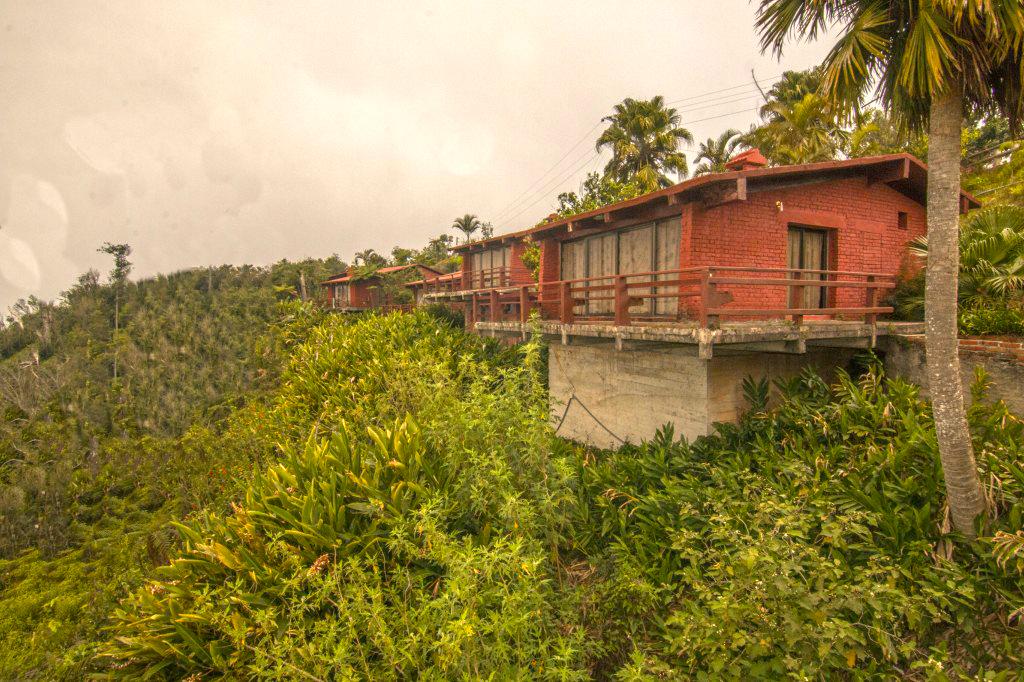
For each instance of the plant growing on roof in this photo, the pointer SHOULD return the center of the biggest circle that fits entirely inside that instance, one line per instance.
(927, 61)
(644, 137)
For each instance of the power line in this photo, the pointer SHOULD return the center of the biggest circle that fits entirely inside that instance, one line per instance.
(542, 192)
(709, 103)
(772, 79)
(737, 97)
(996, 189)
(542, 187)
(545, 173)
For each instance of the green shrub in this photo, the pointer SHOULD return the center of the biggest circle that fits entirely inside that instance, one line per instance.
(805, 542)
(384, 549)
(1002, 319)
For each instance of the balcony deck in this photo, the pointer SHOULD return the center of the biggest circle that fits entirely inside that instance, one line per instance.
(772, 336)
(730, 307)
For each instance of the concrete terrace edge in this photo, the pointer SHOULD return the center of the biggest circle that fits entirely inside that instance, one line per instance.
(726, 334)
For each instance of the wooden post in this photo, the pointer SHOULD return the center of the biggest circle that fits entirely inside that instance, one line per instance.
(621, 301)
(493, 302)
(796, 300)
(471, 317)
(871, 294)
(524, 304)
(707, 298)
(565, 313)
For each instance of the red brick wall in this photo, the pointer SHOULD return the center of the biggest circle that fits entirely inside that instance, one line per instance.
(862, 224)
(518, 272)
(550, 271)
(360, 295)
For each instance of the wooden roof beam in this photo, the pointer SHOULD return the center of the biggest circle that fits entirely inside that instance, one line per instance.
(891, 172)
(716, 195)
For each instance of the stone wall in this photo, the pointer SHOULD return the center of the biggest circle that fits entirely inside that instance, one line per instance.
(1003, 360)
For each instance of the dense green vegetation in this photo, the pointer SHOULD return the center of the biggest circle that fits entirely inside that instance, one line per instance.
(92, 468)
(991, 283)
(383, 497)
(420, 518)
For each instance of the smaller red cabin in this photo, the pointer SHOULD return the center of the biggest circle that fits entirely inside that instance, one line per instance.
(352, 292)
(495, 262)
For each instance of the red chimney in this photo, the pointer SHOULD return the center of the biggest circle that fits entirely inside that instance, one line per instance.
(752, 158)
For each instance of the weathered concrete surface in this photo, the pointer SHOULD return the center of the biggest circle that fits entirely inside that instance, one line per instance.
(727, 372)
(608, 395)
(904, 357)
(761, 335)
(631, 393)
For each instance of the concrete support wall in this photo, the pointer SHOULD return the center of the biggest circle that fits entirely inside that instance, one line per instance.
(629, 394)
(727, 372)
(904, 357)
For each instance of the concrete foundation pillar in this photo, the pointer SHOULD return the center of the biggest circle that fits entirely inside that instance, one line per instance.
(608, 396)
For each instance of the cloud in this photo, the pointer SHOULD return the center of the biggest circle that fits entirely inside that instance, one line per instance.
(248, 132)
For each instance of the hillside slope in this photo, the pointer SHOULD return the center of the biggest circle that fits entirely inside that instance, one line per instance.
(91, 468)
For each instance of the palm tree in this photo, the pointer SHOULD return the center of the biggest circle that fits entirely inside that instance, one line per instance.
(715, 153)
(798, 131)
(369, 259)
(874, 132)
(467, 225)
(927, 60)
(991, 256)
(644, 136)
(118, 277)
(792, 87)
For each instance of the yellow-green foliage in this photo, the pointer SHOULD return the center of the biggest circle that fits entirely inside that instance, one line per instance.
(387, 545)
(397, 507)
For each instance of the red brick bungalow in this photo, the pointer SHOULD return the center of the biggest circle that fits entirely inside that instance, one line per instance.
(350, 292)
(753, 223)
(495, 262)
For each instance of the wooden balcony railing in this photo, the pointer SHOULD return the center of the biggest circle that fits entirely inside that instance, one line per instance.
(702, 294)
(490, 277)
(438, 285)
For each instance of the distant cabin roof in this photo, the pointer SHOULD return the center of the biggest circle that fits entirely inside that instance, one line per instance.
(347, 277)
(450, 277)
(903, 172)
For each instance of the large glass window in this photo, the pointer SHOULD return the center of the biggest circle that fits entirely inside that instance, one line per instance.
(645, 248)
(341, 295)
(490, 267)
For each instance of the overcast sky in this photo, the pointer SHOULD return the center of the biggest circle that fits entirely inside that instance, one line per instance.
(231, 132)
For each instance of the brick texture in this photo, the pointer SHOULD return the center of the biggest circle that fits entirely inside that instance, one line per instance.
(862, 219)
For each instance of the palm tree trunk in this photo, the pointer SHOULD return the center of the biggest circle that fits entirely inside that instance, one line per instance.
(963, 486)
(117, 321)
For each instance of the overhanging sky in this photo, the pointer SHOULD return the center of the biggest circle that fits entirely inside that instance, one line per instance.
(225, 132)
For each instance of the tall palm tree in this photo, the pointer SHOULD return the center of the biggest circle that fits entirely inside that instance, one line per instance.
(792, 87)
(927, 60)
(797, 131)
(369, 258)
(467, 225)
(715, 152)
(644, 136)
